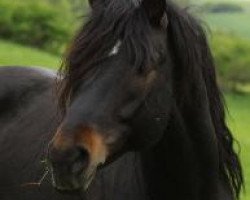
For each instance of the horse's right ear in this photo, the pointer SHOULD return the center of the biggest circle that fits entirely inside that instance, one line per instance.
(155, 10)
(92, 3)
(96, 3)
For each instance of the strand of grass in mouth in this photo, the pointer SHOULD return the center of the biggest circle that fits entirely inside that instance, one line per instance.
(38, 184)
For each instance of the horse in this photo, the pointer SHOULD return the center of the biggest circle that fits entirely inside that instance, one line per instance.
(135, 113)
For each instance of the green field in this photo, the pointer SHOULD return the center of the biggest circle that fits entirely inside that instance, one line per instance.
(239, 120)
(241, 2)
(236, 23)
(14, 54)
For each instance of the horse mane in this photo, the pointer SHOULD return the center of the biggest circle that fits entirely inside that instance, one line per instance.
(192, 54)
(111, 21)
(108, 22)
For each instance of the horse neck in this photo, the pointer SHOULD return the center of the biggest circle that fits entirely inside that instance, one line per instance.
(173, 168)
(170, 170)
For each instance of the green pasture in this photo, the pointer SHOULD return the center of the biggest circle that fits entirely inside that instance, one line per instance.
(236, 23)
(241, 2)
(239, 121)
(14, 54)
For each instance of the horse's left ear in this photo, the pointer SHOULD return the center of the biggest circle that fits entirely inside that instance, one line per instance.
(91, 3)
(155, 10)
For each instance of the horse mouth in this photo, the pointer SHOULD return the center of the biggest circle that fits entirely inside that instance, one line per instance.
(71, 183)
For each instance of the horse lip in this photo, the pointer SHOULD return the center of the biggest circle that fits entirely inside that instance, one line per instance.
(84, 182)
(66, 189)
(63, 187)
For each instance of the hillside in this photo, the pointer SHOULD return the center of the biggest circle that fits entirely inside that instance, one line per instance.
(14, 54)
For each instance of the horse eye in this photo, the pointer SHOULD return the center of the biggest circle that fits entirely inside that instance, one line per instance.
(159, 58)
(143, 71)
(127, 112)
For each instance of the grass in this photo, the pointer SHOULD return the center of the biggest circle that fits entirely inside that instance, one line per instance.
(218, 1)
(14, 54)
(237, 23)
(239, 121)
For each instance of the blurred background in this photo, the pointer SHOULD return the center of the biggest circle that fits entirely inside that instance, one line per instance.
(36, 33)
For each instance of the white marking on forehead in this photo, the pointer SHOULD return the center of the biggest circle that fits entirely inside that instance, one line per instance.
(116, 48)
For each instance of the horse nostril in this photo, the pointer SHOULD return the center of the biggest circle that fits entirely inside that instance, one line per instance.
(73, 160)
(81, 160)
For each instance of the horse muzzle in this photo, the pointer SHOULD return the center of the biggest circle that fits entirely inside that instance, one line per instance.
(73, 161)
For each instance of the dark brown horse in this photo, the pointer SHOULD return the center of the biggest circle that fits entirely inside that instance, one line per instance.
(140, 115)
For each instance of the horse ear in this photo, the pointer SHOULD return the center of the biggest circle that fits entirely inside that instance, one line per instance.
(91, 3)
(155, 10)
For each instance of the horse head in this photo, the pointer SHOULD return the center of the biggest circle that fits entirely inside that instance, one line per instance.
(116, 89)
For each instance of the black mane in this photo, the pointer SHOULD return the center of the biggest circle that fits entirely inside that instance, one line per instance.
(193, 54)
(111, 21)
